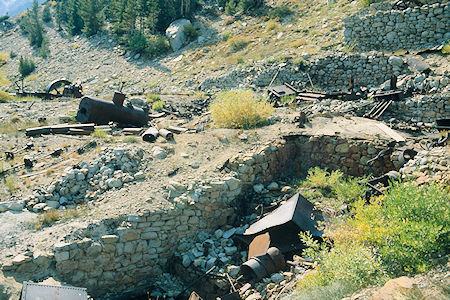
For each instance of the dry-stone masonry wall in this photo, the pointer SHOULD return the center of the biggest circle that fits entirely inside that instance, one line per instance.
(327, 72)
(133, 254)
(413, 28)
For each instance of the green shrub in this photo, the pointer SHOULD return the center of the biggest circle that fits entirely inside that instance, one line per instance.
(11, 184)
(158, 105)
(3, 58)
(279, 12)
(237, 44)
(240, 60)
(334, 185)
(192, 32)
(137, 42)
(226, 36)
(239, 109)
(26, 66)
(366, 3)
(446, 49)
(5, 97)
(407, 228)
(12, 54)
(31, 24)
(4, 18)
(44, 51)
(157, 45)
(353, 265)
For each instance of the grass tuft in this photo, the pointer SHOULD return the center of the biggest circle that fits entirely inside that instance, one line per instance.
(237, 44)
(99, 133)
(5, 97)
(158, 105)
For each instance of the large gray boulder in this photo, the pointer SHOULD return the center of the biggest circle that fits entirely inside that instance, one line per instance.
(175, 33)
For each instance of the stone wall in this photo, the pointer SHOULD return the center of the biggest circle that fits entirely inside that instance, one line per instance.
(413, 28)
(328, 72)
(138, 248)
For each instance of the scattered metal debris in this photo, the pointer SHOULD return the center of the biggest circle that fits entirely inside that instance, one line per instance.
(75, 129)
(443, 124)
(69, 89)
(177, 130)
(31, 291)
(383, 99)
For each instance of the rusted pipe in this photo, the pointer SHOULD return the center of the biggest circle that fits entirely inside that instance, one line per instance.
(166, 134)
(98, 111)
(150, 135)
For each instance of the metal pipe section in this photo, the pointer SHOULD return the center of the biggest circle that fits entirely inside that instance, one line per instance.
(98, 111)
(150, 135)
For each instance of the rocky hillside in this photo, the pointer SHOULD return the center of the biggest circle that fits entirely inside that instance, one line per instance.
(226, 43)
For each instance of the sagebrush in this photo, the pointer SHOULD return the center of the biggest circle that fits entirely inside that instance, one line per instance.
(239, 109)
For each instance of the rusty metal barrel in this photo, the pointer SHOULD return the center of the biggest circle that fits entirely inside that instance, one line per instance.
(262, 266)
(98, 111)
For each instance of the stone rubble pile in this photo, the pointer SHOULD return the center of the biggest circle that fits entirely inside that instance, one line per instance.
(429, 165)
(216, 249)
(113, 169)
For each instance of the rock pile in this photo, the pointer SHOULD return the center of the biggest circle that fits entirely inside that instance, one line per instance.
(113, 169)
(429, 165)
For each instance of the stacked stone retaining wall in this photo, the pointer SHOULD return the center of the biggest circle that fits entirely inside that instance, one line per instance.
(413, 28)
(328, 72)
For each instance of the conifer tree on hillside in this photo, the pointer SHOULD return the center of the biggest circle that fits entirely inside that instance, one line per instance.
(92, 13)
(74, 21)
(46, 14)
(32, 25)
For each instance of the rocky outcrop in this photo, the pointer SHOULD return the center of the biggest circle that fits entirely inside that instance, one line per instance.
(175, 33)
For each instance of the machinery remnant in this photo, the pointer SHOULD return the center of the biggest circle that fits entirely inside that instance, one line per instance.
(284, 223)
(98, 111)
(383, 99)
(56, 89)
(261, 266)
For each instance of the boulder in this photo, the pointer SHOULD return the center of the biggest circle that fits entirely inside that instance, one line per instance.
(175, 33)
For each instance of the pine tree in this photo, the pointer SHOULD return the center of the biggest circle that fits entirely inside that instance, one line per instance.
(92, 13)
(46, 14)
(32, 25)
(74, 20)
(60, 14)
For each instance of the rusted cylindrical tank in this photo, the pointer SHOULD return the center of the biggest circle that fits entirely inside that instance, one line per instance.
(263, 265)
(98, 111)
